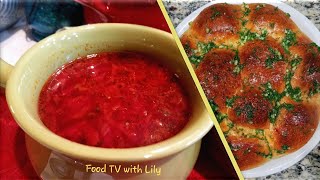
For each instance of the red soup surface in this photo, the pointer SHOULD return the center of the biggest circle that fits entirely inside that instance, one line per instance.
(114, 100)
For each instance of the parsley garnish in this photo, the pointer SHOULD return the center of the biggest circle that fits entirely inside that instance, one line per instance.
(259, 6)
(315, 88)
(247, 10)
(272, 25)
(246, 35)
(288, 40)
(275, 56)
(220, 117)
(247, 109)
(230, 102)
(259, 131)
(294, 93)
(274, 113)
(285, 147)
(204, 48)
(236, 62)
(271, 94)
(216, 13)
(315, 45)
(274, 97)
(243, 22)
(269, 155)
(195, 59)
(313, 69)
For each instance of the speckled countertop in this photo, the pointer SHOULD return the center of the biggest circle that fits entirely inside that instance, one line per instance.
(309, 167)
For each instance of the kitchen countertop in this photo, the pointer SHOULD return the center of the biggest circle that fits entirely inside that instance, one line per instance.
(309, 167)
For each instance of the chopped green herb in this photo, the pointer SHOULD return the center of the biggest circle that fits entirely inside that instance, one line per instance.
(230, 125)
(243, 22)
(220, 117)
(215, 13)
(313, 69)
(195, 59)
(236, 59)
(247, 10)
(288, 107)
(213, 105)
(274, 113)
(289, 40)
(275, 56)
(187, 47)
(276, 8)
(246, 35)
(247, 151)
(315, 45)
(263, 35)
(315, 89)
(204, 48)
(229, 102)
(271, 94)
(269, 155)
(294, 93)
(259, 6)
(237, 69)
(295, 62)
(238, 111)
(236, 62)
(272, 25)
(248, 110)
(285, 147)
(223, 46)
(287, 14)
(259, 131)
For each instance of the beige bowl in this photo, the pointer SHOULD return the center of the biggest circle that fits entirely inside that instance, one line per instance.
(175, 156)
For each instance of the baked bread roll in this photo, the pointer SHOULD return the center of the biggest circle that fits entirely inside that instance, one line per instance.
(261, 75)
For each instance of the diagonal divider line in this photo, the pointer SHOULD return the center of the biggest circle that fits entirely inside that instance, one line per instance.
(203, 96)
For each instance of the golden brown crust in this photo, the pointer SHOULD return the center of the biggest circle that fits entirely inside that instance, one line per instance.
(308, 71)
(250, 109)
(254, 55)
(261, 75)
(248, 150)
(218, 23)
(215, 72)
(295, 127)
(270, 18)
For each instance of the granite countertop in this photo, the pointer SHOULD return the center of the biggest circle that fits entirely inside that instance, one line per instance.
(309, 167)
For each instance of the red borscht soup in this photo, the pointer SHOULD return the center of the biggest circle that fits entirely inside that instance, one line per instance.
(114, 100)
